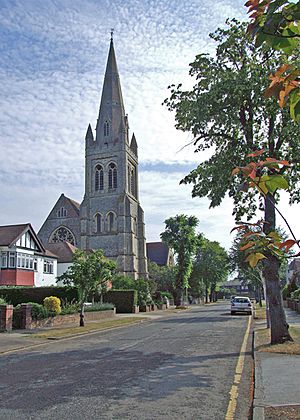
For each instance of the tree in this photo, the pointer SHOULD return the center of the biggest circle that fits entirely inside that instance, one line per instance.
(210, 267)
(89, 272)
(278, 24)
(164, 277)
(180, 235)
(226, 112)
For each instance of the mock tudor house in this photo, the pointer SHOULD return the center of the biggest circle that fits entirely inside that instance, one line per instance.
(110, 216)
(24, 260)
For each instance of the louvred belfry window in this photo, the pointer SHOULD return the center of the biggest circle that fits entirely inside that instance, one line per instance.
(106, 129)
(112, 176)
(99, 178)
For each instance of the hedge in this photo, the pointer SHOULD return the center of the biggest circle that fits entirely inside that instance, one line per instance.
(16, 295)
(124, 300)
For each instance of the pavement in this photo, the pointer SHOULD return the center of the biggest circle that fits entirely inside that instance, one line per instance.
(277, 380)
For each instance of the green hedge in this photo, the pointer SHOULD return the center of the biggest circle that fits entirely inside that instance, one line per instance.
(123, 300)
(16, 295)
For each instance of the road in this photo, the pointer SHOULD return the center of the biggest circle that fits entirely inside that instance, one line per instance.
(176, 367)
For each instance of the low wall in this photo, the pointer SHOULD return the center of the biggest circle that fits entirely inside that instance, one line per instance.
(72, 319)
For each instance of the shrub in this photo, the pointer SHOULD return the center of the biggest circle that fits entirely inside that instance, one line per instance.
(295, 294)
(38, 311)
(52, 303)
(99, 307)
(2, 301)
(24, 294)
(69, 308)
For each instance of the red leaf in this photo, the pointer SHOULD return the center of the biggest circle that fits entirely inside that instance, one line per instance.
(256, 153)
(287, 244)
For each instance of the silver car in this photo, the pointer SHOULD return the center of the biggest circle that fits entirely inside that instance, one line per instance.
(241, 304)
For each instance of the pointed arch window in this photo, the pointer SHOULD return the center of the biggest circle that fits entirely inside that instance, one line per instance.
(98, 223)
(112, 176)
(99, 185)
(132, 181)
(106, 129)
(111, 222)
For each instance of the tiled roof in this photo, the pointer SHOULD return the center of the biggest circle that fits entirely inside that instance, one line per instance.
(157, 252)
(10, 233)
(63, 250)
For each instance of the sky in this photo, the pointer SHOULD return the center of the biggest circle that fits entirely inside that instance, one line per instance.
(53, 55)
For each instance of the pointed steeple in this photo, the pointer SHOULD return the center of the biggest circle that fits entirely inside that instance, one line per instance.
(89, 134)
(133, 145)
(111, 121)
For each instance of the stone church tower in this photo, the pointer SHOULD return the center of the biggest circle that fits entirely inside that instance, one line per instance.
(111, 216)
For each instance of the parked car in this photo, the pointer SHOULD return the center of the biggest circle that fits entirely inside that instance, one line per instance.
(241, 304)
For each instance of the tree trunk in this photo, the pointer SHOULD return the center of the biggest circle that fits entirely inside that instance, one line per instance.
(279, 326)
(178, 297)
(206, 295)
(81, 315)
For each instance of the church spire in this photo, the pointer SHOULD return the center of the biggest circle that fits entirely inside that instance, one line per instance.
(111, 120)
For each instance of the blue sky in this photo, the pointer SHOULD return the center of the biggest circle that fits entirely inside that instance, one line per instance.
(52, 62)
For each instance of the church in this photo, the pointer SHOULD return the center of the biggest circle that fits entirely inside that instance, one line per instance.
(110, 216)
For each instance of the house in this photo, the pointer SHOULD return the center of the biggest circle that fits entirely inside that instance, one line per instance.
(24, 260)
(159, 253)
(236, 287)
(293, 271)
(64, 252)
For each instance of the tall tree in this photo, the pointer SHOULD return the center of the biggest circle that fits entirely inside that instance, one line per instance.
(89, 272)
(210, 266)
(180, 235)
(227, 113)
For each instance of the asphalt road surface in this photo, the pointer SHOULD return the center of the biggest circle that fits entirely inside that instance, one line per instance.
(176, 367)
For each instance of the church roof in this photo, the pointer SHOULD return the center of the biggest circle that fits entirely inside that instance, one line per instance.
(62, 250)
(158, 252)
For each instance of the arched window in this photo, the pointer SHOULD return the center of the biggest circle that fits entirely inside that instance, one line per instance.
(112, 176)
(98, 223)
(62, 234)
(111, 222)
(62, 212)
(132, 180)
(106, 128)
(99, 178)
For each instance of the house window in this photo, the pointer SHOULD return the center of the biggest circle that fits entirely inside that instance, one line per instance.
(35, 264)
(12, 260)
(62, 234)
(48, 267)
(98, 223)
(106, 128)
(24, 261)
(112, 176)
(99, 178)
(4, 259)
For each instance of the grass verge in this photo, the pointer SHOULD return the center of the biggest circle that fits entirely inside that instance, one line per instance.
(90, 327)
(263, 342)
